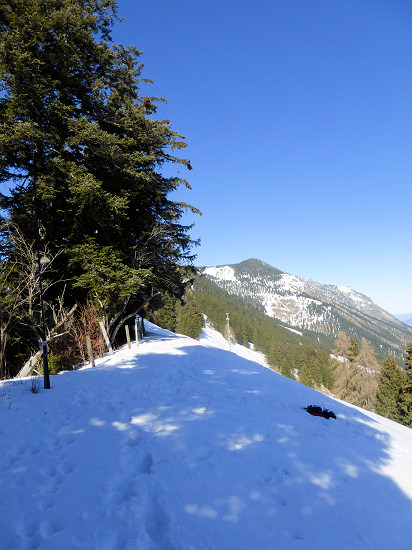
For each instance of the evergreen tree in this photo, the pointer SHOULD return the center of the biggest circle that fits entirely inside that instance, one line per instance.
(305, 376)
(405, 398)
(82, 151)
(165, 314)
(190, 320)
(390, 382)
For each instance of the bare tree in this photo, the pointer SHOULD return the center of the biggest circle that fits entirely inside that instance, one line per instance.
(20, 294)
(357, 382)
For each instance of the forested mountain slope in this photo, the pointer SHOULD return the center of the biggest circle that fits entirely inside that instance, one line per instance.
(305, 304)
(292, 352)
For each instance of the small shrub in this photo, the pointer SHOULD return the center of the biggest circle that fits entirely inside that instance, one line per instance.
(54, 364)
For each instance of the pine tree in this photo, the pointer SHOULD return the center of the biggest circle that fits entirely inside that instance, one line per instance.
(81, 148)
(405, 398)
(190, 320)
(390, 383)
(165, 314)
(305, 376)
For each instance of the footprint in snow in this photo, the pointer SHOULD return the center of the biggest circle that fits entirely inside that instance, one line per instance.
(146, 463)
(48, 528)
(157, 527)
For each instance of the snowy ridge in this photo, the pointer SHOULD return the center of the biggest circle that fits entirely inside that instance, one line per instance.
(309, 305)
(181, 445)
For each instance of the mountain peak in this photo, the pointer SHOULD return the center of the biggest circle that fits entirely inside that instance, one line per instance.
(310, 305)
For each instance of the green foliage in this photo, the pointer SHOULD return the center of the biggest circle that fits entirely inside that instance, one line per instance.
(390, 382)
(405, 398)
(408, 361)
(190, 319)
(165, 314)
(54, 364)
(81, 147)
(108, 280)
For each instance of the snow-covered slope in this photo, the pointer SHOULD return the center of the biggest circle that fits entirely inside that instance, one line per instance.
(183, 445)
(307, 304)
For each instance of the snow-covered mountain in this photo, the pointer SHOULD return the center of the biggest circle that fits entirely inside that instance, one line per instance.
(306, 304)
(179, 444)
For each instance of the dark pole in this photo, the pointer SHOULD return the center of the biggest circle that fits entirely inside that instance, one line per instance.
(46, 377)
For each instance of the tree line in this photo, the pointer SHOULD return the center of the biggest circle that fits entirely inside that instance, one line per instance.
(85, 195)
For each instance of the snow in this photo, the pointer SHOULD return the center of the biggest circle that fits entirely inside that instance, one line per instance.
(291, 283)
(179, 444)
(356, 297)
(223, 273)
(339, 358)
(345, 289)
(212, 338)
(295, 331)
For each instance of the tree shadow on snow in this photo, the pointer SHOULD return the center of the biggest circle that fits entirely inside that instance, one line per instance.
(222, 455)
(249, 468)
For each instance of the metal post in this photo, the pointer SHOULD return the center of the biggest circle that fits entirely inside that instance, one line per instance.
(136, 331)
(228, 330)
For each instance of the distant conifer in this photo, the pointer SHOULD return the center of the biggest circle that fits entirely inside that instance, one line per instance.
(405, 400)
(390, 382)
(190, 320)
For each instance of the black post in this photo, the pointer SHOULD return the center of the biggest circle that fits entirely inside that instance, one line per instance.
(46, 377)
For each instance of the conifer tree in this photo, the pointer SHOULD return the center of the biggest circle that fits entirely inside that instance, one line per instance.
(390, 382)
(82, 151)
(190, 320)
(165, 315)
(405, 398)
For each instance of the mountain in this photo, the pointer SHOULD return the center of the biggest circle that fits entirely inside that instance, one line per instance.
(178, 444)
(405, 318)
(308, 305)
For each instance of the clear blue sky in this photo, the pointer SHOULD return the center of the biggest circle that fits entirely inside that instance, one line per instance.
(298, 119)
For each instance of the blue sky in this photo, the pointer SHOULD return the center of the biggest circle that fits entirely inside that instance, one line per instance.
(298, 119)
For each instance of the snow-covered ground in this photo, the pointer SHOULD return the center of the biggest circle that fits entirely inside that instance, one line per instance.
(183, 445)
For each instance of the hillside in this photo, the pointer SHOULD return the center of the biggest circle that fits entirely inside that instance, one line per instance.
(181, 445)
(289, 351)
(308, 305)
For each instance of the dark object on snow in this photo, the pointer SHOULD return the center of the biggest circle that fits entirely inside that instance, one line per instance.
(315, 410)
